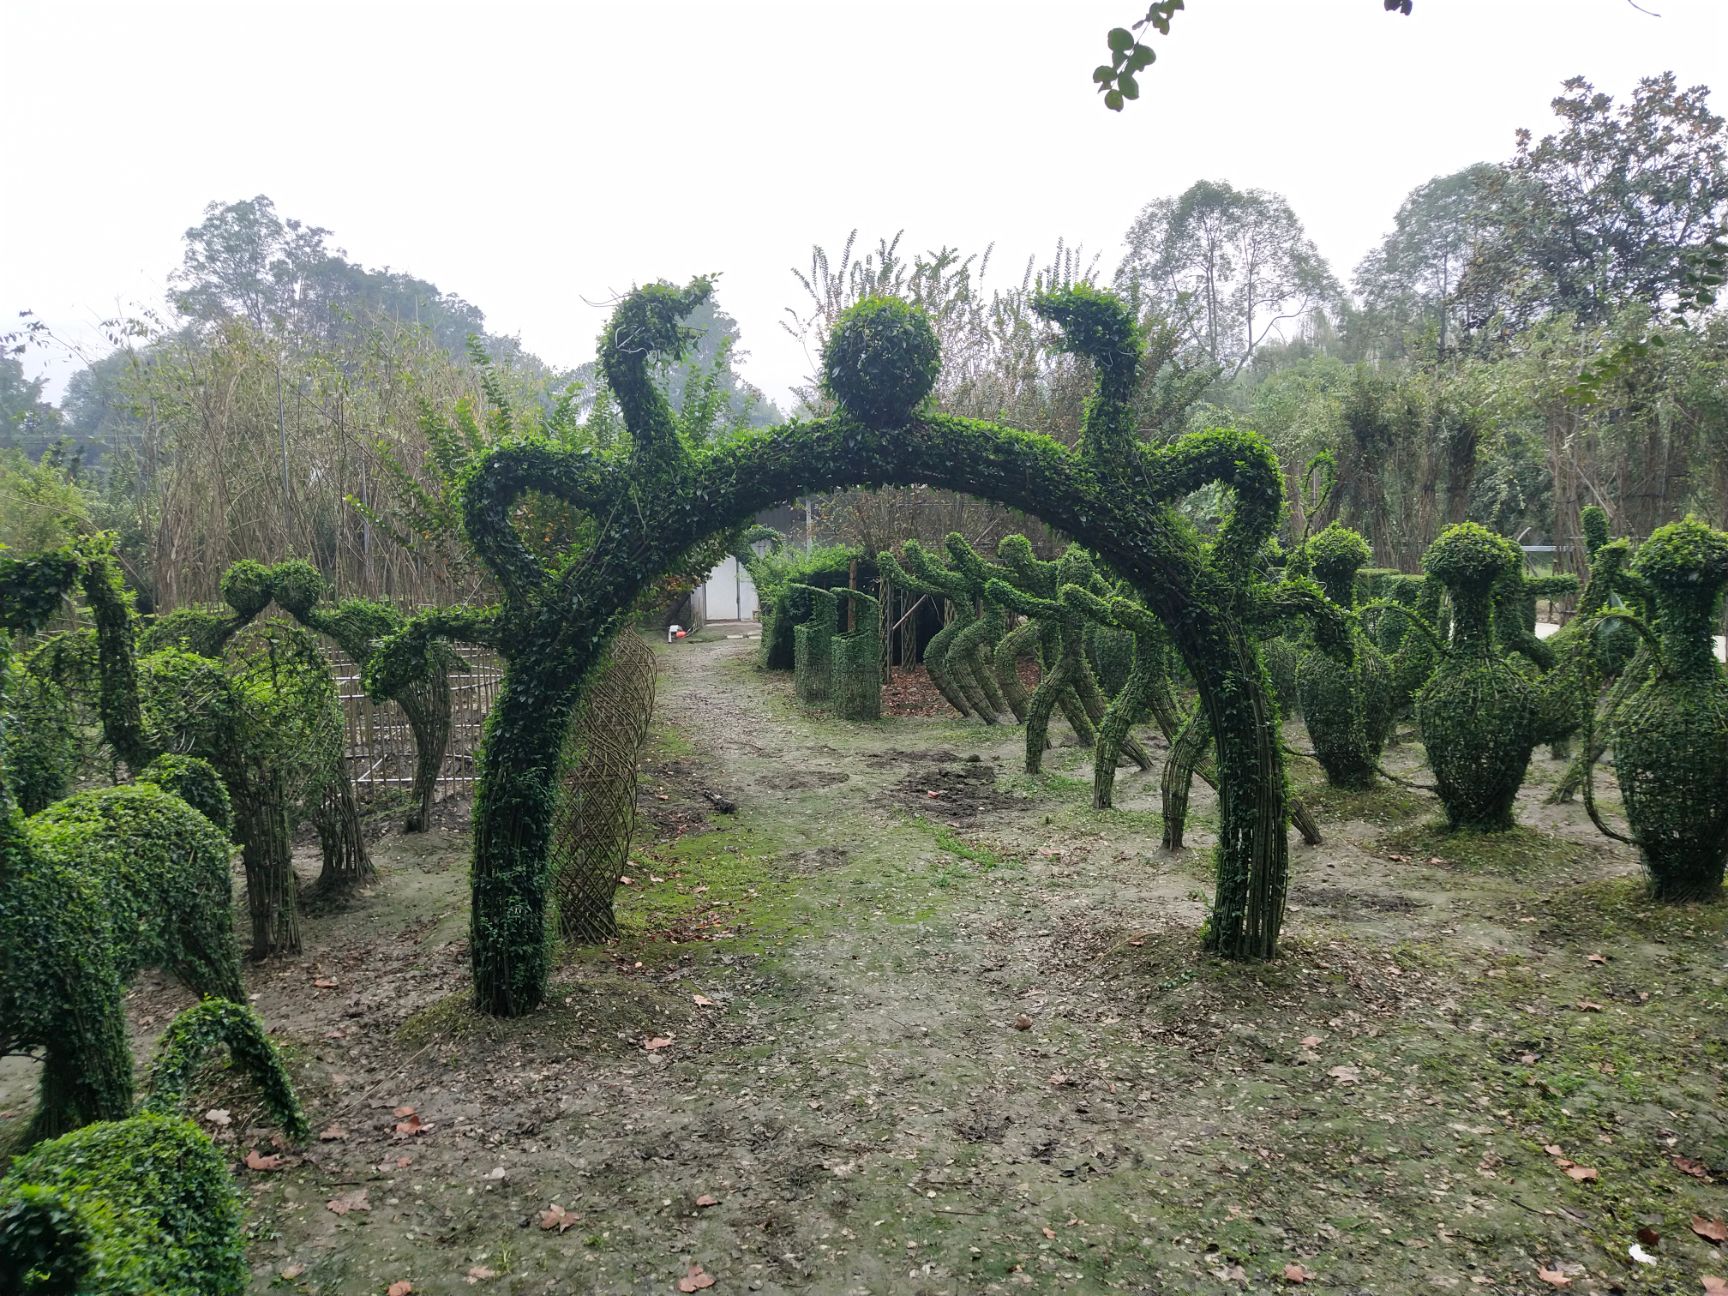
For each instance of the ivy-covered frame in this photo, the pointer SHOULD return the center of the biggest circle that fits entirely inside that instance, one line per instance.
(661, 496)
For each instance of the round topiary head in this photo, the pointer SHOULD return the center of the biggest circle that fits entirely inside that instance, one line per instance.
(1468, 558)
(297, 586)
(881, 361)
(246, 588)
(196, 782)
(1683, 557)
(1335, 555)
(1099, 326)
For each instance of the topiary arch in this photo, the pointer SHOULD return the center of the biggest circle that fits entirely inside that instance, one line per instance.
(661, 496)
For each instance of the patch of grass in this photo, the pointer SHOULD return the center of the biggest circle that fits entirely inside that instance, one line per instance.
(1515, 852)
(1615, 910)
(704, 885)
(1385, 803)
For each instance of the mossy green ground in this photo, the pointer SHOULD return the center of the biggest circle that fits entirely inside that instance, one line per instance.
(833, 981)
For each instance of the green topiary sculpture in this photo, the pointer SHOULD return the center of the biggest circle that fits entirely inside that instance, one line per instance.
(1343, 682)
(40, 750)
(813, 643)
(357, 625)
(954, 680)
(1478, 717)
(143, 1206)
(196, 782)
(856, 680)
(664, 496)
(1670, 738)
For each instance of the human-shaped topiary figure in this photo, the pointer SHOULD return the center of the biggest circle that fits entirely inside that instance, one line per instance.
(1670, 738)
(143, 1206)
(1343, 681)
(856, 683)
(965, 656)
(267, 717)
(246, 589)
(1070, 672)
(357, 626)
(813, 642)
(1145, 690)
(936, 650)
(1479, 718)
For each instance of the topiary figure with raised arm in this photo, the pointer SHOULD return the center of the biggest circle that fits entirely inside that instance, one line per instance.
(1343, 682)
(357, 625)
(1670, 738)
(665, 495)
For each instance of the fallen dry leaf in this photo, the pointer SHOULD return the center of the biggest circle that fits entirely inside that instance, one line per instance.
(702, 1001)
(403, 1288)
(707, 1199)
(256, 1161)
(1553, 1277)
(330, 1133)
(1686, 1165)
(480, 1273)
(695, 1280)
(1649, 1236)
(1710, 1230)
(556, 1217)
(325, 983)
(1553, 1149)
(219, 1116)
(1022, 1022)
(290, 1272)
(1295, 1273)
(1582, 1174)
(349, 1201)
(1714, 1286)
(413, 1125)
(1584, 1005)
(1048, 1232)
(1345, 1074)
(1595, 958)
(658, 1042)
(1310, 1041)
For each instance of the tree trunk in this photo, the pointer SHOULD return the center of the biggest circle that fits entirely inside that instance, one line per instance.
(272, 891)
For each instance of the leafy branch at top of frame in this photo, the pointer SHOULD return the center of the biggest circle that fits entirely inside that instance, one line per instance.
(1116, 80)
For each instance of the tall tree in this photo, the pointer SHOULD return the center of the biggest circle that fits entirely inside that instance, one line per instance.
(1611, 210)
(1230, 267)
(1408, 284)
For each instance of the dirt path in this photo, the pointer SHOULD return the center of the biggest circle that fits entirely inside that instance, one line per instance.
(965, 1043)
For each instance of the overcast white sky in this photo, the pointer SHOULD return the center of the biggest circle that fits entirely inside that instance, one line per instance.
(529, 156)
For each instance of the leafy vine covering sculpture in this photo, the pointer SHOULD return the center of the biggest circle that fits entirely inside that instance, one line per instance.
(357, 625)
(662, 496)
(1343, 682)
(813, 643)
(1479, 718)
(855, 670)
(143, 1206)
(1670, 738)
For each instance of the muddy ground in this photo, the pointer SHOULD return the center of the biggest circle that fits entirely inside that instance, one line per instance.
(858, 1038)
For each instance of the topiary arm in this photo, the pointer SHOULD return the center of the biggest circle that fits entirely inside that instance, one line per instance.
(889, 566)
(1020, 601)
(977, 569)
(943, 581)
(213, 1024)
(408, 654)
(1241, 461)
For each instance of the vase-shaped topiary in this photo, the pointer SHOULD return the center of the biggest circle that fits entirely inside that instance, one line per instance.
(1477, 715)
(1670, 738)
(1342, 679)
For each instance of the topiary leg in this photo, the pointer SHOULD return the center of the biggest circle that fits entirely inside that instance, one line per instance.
(1018, 643)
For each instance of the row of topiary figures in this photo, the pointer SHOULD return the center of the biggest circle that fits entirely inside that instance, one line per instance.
(94, 886)
(1456, 649)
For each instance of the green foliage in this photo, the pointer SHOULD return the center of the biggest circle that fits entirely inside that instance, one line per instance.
(1478, 717)
(92, 889)
(267, 717)
(1670, 738)
(881, 361)
(39, 748)
(856, 680)
(138, 1207)
(196, 782)
(774, 573)
(664, 497)
(222, 1024)
(813, 637)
